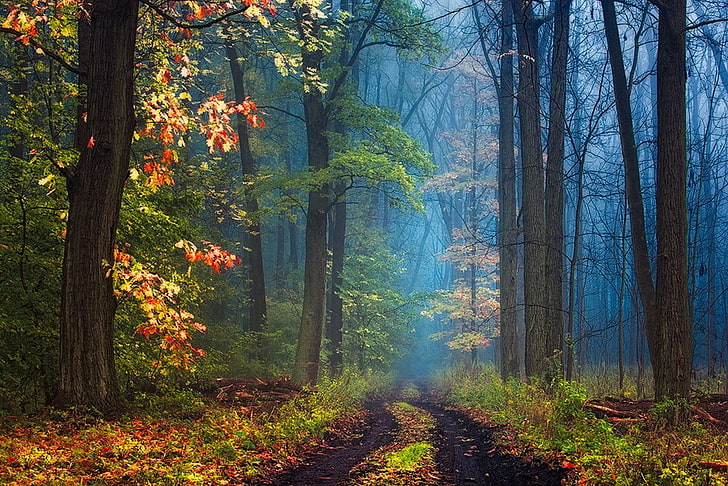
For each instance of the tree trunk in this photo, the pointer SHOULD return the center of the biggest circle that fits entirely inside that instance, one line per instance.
(507, 227)
(673, 362)
(554, 264)
(313, 315)
(666, 305)
(536, 350)
(622, 290)
(575, 269)
(95, 186)
(336, 303)
(258, 311)
(633, 188)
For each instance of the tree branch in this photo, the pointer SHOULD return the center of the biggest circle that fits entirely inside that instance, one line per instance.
(176, 22)
(704, 23)
(281, 110)
(42, 49)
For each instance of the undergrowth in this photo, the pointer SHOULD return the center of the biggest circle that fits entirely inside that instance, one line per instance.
(557, 422)
(175, 439)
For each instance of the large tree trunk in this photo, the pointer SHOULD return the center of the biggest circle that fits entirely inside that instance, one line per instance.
(536, 350)
(258, 311)
(313, 315)
(554, 264)
(666, 305)
(95, 185)
(673, 361)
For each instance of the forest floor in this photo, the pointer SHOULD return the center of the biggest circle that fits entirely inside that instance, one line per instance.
(272, 432)
(460, 451)
(710, 409)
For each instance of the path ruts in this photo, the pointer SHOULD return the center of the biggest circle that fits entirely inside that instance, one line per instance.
(331, 466)
(465, 454)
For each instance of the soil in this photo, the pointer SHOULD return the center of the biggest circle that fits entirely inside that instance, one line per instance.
(329, 465)
(466, 453)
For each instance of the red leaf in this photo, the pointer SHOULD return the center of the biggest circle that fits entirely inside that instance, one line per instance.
(91, 142)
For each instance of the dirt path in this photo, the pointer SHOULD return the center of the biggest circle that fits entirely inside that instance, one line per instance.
(330, 466)
(465, 454)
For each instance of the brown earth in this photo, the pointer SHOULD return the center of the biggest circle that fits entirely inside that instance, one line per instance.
(466, 454)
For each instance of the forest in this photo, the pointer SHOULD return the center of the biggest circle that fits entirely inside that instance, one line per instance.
(363, 242)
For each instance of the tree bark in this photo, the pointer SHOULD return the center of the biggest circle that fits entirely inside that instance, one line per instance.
(95, 186)
(308, 348)
(536, 346)
(674, 349)
(336, 303)
(554, 198)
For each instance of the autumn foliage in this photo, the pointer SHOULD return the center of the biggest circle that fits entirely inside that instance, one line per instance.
(166, 103)
(158, 300)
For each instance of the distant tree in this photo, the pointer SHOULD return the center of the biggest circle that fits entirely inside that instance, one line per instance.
(397, 25)
(249, 167)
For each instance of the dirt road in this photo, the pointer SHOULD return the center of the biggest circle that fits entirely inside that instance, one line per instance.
(462, 452)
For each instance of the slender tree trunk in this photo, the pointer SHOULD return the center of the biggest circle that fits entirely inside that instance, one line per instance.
(537, 341)
(622, 289)
(554, 265)
(280, 272)
(336, 303)
(293, 245)
(308, 348)
(633, 189)
(673, 363)
(258, 310)
(95, 186)
(574, 270)
(335, 327)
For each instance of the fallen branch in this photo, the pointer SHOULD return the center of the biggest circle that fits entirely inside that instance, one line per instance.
(714, 465)
(705, 415)
(612, 412)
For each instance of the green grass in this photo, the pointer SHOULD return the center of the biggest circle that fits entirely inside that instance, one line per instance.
(410, 457)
